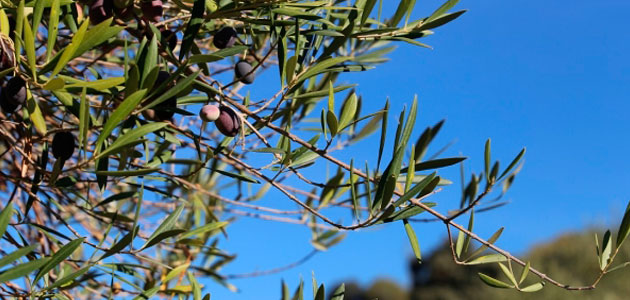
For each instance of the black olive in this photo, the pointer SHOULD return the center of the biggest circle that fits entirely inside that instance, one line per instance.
(224, 38)
(15, 91)
(63, 145)
(169, 39)
(241, 70)
(101, 10)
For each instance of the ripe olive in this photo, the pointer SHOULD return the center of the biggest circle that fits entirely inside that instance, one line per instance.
(166, 109)
(209, 113)
(228, 122)
(224, 38)
(242, 71)
(101, 10)
(169, 39)
(152, 10)
(15, 91)
(6, 106)
(63, 145)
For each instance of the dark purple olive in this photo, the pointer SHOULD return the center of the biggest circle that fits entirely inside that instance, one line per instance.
(63, 145)
(6, 106)
(228, 122)
(152, 10)
(165, 110)
(15, 91)
(101, 10)
(224, 38)
(242, 71)
(169, 39)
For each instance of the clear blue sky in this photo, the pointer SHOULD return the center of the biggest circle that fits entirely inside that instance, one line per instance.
(549, 75)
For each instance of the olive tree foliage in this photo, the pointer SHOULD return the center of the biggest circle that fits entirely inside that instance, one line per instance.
(115, 181)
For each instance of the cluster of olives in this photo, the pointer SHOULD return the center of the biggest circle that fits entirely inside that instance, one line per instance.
(225, 38)
(226, 119)
(101, 10)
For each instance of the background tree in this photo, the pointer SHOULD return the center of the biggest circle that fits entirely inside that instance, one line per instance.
(116, 187)
(438, 277)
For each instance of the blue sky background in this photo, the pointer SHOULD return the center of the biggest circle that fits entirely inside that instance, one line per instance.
(548, 75)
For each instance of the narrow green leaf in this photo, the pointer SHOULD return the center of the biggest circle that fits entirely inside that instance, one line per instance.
(22, 270)
(132, 136)
(411, 234)
(167, 224)
(54, 84)
(491, 240)
(508, 274)
(192, 28)
(121, 244)
(218, 55)
(487, 160)
(13, 256)
(174, 91)
(203, 229)
(435, 164)
(121, 113)
(195, 285)
(58, 257)
(486, 259)
(415, 190)
(513, 163)
(29, 46)
(624, 227)
(441, 10)
(533, 288)
(5, 217)
(471, 222)
(339, 293)
(35, 114)
(524, 273)
(331, 120)
(606, 250)
(175, 272)
(348, 112)
(494, 282)
(68, 52)
(67, 279)
(99, 85)
(53, 27)
(383, 133)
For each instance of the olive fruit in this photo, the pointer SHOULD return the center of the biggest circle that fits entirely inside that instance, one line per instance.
(209, 113)
(6, 106)
(242, 71)
(63, 145)
(101, 10)
(15, 91)
(169, 39)
(152, 10)
(224, 38)
(228, 122)
(166, 109)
